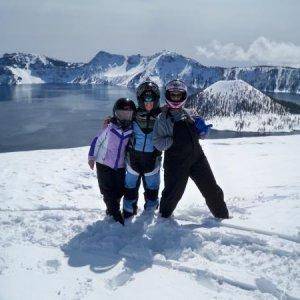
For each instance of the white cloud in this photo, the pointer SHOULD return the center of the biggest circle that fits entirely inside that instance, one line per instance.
(260, 51)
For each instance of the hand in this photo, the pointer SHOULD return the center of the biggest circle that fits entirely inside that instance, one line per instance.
(91, 164)
(106, 121)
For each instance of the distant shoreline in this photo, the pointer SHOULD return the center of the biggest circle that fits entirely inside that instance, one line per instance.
(214, 135)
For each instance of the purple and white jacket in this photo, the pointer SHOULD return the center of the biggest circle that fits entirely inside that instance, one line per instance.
(108, 148)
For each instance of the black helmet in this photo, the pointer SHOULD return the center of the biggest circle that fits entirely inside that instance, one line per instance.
(148, 91)
(124, 110)
(176, 93)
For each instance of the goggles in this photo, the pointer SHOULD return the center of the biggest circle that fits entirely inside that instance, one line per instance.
(124, 115)
(148, 96)
(177, 96)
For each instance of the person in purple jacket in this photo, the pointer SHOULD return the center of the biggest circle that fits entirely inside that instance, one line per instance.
(108, 151)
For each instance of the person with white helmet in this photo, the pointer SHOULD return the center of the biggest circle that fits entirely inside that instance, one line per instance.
(177, 133)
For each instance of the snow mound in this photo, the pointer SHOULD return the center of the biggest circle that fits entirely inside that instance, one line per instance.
(236, 105)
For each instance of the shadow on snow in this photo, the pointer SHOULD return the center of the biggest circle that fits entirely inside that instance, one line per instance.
(144, 241)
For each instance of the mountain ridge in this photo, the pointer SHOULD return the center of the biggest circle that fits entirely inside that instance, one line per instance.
(131, 70)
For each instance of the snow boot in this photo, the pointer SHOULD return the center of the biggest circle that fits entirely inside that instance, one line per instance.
(118, 217)
(151, 206)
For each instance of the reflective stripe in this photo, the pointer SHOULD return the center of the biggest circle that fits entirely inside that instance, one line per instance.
(128, 205)
(155, 171)
(130, 170)
(151, 204)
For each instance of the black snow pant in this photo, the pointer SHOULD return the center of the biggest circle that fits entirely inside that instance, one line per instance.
(184, 159)
(111, 184)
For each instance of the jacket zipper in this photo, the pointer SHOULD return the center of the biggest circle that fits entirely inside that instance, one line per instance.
(146, 134)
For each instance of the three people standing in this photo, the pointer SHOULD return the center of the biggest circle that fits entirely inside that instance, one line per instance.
(173, 130)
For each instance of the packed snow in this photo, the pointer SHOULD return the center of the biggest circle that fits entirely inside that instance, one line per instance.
(57, 243)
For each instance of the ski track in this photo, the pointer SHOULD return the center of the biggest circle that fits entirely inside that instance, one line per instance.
(221, 256)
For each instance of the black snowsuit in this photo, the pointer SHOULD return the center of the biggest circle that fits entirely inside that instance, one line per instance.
(184, 159)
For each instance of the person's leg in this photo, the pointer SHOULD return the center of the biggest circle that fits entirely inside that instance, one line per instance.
(202, 175)
(132, 184)
(111, 184)
(175, 177)
(151, 183)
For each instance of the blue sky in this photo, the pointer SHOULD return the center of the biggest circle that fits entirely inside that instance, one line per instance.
(223, 32)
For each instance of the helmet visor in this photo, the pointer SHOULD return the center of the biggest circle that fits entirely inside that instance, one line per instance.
(148, 96)
(124, 115)
(176, 96)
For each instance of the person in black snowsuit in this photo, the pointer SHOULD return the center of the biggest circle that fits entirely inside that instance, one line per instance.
(176, 133)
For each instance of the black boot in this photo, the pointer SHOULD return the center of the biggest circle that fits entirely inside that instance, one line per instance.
(127, 214)
(118, 217)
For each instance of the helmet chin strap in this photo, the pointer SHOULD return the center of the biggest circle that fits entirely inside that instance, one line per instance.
(177, 105)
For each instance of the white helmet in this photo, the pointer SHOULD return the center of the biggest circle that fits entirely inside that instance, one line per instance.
(176, 93)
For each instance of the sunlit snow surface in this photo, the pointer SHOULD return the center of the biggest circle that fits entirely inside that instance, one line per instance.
(56, 243)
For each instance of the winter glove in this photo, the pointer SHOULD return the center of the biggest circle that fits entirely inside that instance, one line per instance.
(91, 164)
(202, 128)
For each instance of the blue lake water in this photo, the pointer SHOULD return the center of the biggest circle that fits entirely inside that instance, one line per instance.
(44, 116)
(295, 98)
(53, 116)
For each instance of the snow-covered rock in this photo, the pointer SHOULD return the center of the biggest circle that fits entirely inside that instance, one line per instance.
(236, 105)
(25, 68)
(106, 68)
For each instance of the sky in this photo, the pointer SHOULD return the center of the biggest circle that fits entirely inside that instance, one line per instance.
(215, 32)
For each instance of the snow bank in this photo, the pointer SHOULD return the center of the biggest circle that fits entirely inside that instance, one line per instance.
(55, 236)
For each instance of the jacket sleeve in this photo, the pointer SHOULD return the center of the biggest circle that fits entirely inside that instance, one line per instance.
(161, 140)
(94, 146)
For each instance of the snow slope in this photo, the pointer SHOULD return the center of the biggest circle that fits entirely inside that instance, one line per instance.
(236, 105)
(115, 69)
(56, 243)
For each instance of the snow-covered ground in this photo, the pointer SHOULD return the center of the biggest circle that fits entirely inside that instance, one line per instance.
(260, 123)
(56, 243)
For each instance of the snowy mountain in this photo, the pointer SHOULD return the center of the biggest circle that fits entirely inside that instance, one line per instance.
(23, 68)
(236, 105)
(106, 68)
(132, 70)
(56, 239)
